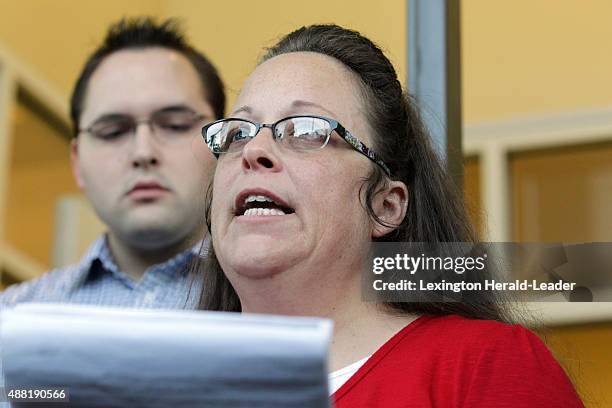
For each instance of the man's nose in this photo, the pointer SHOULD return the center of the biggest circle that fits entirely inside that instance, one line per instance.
(145, 152)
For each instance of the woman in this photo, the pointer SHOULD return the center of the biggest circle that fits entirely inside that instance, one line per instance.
(296, 209)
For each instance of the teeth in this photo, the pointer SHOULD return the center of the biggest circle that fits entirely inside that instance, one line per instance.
(257, 212)
(260, 198)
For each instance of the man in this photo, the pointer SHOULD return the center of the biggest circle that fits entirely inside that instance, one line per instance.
(137, 110)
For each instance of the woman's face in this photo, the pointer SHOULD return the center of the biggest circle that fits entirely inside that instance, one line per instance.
(327, 223)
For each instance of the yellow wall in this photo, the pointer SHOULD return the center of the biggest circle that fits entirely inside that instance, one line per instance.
(234, 33)
(584, 351)
(522, 57)
(471, 193)
(55, 36)
(519, 57)
(39, 176)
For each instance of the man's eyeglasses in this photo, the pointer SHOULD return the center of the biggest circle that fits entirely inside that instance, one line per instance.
(300, 133)
(168, 124)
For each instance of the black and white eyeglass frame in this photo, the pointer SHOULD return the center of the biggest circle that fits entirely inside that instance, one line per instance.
(357, 144)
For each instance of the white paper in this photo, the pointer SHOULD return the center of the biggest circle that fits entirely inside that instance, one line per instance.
(110, 357)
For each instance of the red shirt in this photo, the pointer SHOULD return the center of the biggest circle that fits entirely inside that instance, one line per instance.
(452, 361)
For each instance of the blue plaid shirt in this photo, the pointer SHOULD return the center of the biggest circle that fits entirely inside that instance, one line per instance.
(97, 280)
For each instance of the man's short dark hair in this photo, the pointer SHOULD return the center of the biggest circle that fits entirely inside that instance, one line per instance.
(144, 32)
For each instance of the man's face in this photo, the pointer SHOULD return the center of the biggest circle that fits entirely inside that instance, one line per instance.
(148, 185)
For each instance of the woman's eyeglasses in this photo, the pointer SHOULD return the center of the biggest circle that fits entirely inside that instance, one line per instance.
(299, 133)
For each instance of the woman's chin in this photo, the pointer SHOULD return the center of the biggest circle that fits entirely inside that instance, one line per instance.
(262, 264)
(256, 272)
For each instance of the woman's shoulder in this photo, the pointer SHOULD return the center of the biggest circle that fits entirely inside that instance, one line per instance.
(460, 345)
(464, 362)
(471, 343)
(459, 324)
(482, 360)
(459, 331)
(507, 358)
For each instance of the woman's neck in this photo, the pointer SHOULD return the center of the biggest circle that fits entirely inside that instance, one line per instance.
(303, 290)
(360, 328)
(362, 332)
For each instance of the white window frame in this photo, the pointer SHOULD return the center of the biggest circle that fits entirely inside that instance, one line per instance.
(15, 75)
(493, 142)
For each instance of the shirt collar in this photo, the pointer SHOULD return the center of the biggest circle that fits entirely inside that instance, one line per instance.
(100, 251)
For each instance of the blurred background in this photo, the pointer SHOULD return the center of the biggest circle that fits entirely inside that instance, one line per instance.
(536, 79)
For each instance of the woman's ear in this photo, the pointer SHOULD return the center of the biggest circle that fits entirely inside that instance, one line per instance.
(390, 206)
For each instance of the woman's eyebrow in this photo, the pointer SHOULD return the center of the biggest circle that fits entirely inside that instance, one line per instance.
(308, 104)
(242, 109)
(295, 105)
